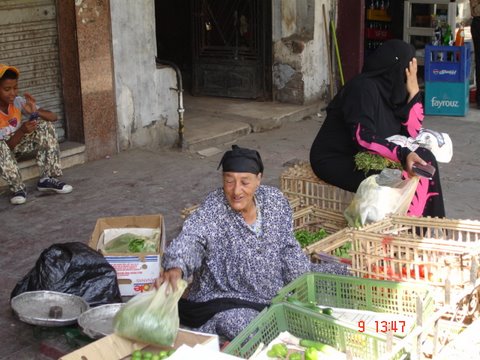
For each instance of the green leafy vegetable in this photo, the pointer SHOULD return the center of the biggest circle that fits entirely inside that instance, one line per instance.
(278, 351)
(136, 245)
(295, 356)
(366, 162)
(305, 237)
(324, 348)
(343, 251)
(129, 242)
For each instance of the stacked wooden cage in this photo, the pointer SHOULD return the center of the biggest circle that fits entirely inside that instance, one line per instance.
(442, 253)
(321, 206)
(300, 181)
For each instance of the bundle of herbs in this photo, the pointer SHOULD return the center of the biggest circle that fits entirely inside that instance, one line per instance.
(366, 161)
(305, 237)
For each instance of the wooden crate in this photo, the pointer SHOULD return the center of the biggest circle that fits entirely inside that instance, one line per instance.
(329, 244)
(427, 227)
(300, 181)
(441, 253)
(312, 219)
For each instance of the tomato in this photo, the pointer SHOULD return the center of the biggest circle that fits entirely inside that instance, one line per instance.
(421, 270)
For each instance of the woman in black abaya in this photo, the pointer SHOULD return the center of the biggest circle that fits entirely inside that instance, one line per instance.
(382, 101)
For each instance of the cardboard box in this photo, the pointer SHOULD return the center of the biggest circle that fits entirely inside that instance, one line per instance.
(114, 347)
(201, 352)
(135, 272)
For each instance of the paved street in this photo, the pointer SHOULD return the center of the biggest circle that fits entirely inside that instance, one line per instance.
(165, 181)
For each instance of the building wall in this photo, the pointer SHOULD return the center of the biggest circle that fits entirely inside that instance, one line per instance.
(126, 100)
(300, 66)
(146, 106)
(94, 44)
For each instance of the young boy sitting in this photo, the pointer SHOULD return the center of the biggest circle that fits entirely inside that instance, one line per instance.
(34, 133)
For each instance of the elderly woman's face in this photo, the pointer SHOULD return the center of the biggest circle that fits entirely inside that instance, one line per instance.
(239, 189)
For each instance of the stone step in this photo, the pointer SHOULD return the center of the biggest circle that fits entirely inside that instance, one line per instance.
(206, 131)
(213, 121)
(71, 154)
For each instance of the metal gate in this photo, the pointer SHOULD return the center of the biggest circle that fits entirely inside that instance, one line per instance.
(29, 41)
(230, 56)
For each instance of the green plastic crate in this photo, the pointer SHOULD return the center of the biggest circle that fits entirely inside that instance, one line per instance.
(360, 294)
(308, 325)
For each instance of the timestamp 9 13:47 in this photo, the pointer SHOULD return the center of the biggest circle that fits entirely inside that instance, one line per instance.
(384, 326)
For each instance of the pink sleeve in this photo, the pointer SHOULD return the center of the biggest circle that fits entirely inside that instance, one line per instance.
(375, 145)
(414, 120)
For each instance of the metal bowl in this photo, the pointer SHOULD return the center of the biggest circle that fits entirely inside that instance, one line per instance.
(35, 307)
(98, 321)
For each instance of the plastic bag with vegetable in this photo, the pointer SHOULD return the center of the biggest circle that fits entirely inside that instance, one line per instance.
(151, 317)
(380, 195)
(133, 243)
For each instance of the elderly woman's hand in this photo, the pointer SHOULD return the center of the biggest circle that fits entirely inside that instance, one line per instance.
(413, 158)
(412, 81)
(171, 275)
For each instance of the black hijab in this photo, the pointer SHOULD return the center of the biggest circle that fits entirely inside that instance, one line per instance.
(387, 65)
(241, 160)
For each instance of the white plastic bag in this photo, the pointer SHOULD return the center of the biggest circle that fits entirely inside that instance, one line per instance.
(380, 195)
(440, 144)
(151, 317)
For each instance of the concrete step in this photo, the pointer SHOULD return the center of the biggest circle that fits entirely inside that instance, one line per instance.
(204, 131)
(213, 121)
(71, 154)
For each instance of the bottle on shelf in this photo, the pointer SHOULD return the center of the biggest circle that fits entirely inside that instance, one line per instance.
(447, 37)
(437, 36)
(460, 37)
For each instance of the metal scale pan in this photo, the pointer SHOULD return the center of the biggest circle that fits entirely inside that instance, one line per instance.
(98, 321)
(48, 308)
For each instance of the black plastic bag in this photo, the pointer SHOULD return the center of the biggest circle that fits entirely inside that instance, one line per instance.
(73, 268)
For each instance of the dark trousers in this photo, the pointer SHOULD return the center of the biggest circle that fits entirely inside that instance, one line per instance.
(475, 29)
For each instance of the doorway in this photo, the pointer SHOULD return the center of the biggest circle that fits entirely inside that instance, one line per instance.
(223, 48)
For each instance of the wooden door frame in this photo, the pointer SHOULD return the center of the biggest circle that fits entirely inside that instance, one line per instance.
(350, 34)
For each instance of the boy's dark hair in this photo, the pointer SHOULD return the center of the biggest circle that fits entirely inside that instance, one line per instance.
(9, 74)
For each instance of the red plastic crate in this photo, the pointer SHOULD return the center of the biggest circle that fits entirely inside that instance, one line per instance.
(473, 95)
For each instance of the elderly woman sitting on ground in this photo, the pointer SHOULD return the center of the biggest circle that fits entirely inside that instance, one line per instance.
(240, 248)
